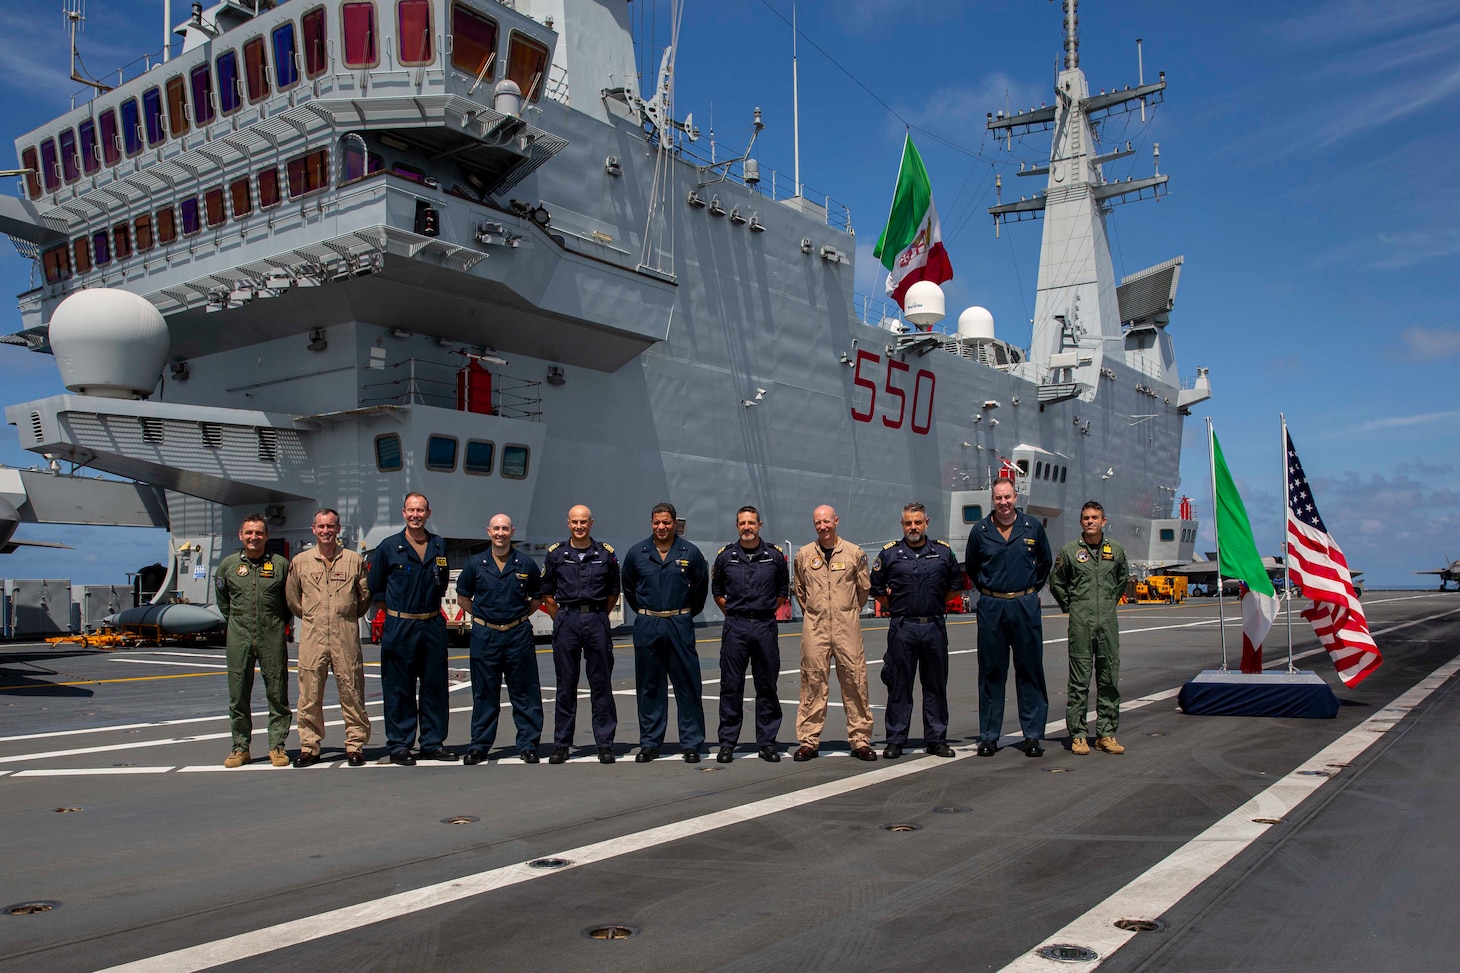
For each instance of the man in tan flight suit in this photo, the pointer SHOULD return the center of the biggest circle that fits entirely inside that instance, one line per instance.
(831, 580)
(327, 592)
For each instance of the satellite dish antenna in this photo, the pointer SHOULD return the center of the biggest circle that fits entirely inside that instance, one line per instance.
(923, 304)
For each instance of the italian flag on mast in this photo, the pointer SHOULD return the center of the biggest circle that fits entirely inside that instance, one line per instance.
(911, 245)
(1238, 558)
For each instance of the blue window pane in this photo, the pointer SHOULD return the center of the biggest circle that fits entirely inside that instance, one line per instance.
(387, 453)
(230, 94)
(102, 245)
(132, 126)
(190, 220)
(90, 158)
(514, 462)
(152, 116)
(478, 458)
(441, 454)
(972, 513)
(286, 70)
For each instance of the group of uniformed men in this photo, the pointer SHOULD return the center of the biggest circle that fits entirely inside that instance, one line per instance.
(666, 581)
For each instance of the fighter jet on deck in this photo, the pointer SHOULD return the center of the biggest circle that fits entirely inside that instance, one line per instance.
(1447, 575)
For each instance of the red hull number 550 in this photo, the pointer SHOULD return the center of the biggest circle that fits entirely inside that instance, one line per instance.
(897, 408)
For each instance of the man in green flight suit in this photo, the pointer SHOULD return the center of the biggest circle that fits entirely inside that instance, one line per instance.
(1088, 579)
(250, 592)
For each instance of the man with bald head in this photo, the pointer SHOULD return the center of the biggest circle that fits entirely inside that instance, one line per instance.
(501, 584)
(580, 586)
(831, 580)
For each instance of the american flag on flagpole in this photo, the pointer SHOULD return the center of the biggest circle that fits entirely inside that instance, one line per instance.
(1316, 563)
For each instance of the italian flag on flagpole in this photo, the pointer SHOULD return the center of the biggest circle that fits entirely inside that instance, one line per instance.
(1237, 558)
(911, 245)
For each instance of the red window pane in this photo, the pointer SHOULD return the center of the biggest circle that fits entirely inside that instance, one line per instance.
(213, 206)
(526, 62)
(57, 263)
(473, 39)
(122, 241)
(70, 168)
(362, 49)
(83, 255)
(90, 157)
(177, 107)
(111, 147)
(308, 173)
(202, 80)
(316, 43)
(268, 188)
(242, 201)
(255, 70)
(143, 227)
(30, 160)
(166, 225)
(413, 36)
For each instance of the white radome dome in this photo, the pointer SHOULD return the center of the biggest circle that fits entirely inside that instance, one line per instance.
(111, 343)
(976, 322)
(923, 304)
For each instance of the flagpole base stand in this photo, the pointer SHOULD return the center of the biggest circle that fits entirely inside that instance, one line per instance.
(1301, 694)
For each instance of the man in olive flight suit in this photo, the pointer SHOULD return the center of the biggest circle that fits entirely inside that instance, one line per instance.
(1088, 579)
(250, 591)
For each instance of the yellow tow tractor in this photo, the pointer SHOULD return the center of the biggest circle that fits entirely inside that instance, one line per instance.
(1160, 589)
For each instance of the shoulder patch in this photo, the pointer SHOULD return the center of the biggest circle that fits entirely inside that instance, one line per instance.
(889, 544)
(608, 548)
(723, 549)
(944, 543)
(554, 547)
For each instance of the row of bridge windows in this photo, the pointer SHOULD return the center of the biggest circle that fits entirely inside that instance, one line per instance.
(301, 176)
(478, 456)
(278, 61)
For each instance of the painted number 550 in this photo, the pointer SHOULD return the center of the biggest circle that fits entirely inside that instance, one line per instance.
(897, 408)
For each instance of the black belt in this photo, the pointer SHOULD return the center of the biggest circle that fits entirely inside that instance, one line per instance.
(585, 608)
(920, 619)
(762, 615)
(1007, 594)
(507, 627)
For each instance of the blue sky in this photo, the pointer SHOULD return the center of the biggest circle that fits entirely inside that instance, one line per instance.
(1309, 195)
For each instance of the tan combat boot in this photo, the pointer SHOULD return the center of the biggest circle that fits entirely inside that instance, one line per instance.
(1079, 745)
(236, 759)
(279, 757)
(1109, 745)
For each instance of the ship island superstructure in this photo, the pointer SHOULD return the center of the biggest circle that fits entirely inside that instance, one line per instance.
(448, 246)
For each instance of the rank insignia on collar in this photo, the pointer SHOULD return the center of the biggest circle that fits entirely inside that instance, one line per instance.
(441, 562)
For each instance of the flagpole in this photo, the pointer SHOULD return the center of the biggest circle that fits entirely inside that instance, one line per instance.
(1221, 606)
(1287, 572)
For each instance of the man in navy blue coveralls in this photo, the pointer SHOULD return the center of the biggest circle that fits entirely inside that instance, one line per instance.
(1009, 560)
(749, 582)
(408, 576)
(912, 579)
(502, 585)
(580, 587)
(666, 582)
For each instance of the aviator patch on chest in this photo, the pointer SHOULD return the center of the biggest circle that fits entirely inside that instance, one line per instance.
(1082, 555)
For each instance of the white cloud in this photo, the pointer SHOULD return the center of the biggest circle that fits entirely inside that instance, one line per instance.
(1425, 344)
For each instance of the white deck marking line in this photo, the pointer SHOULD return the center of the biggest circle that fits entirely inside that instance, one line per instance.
(1170, 880)
(165, 662)
(91, 771)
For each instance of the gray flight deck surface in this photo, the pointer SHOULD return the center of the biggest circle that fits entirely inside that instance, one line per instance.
(169, 852)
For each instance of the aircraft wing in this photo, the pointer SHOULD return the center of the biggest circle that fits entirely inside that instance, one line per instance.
(10, 545)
